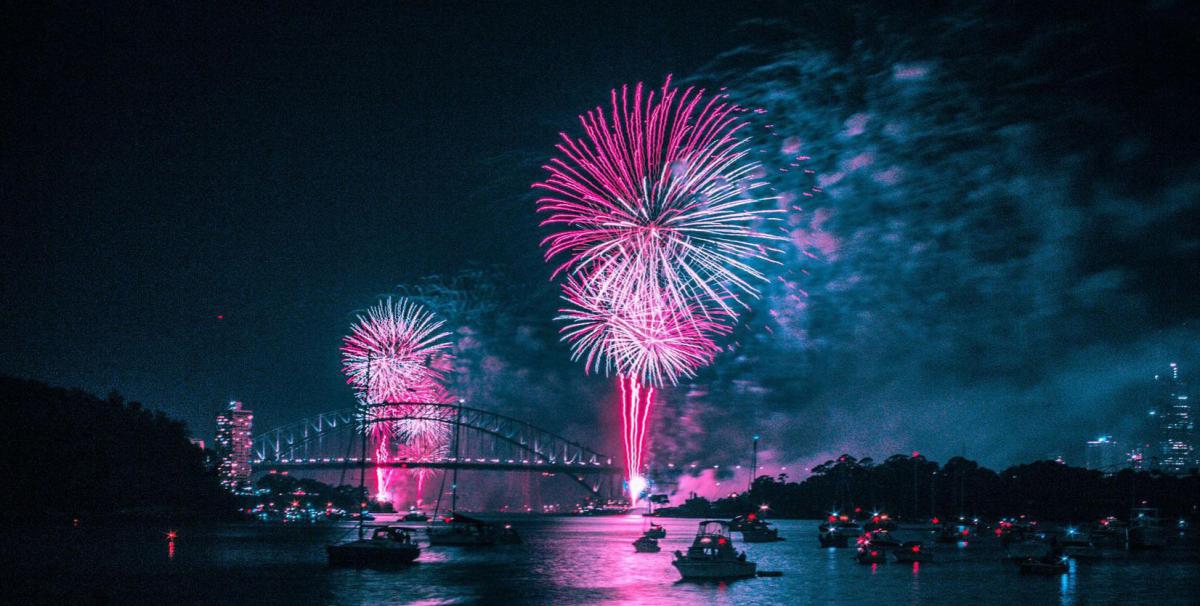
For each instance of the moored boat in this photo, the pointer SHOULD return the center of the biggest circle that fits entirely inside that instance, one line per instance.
(837, 533)
(712, 555)
(656, 531)
(458, 530)
(414, 515)
(386, 546)
(1146, 530)
(646, 544)
(911, 551)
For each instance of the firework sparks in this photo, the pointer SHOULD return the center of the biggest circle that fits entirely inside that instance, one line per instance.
(657, 211)
(396, 358)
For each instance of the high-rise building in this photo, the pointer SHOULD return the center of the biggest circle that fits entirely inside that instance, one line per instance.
(1104, 454)
(233, 445)
(1176, 427)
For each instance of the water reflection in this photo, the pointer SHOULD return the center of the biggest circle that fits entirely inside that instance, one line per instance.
(563, 562)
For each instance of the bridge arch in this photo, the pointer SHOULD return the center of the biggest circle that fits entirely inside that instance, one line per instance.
(487, 441)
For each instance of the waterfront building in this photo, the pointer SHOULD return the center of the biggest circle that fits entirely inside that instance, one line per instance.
(233, 444)
(1104, 454)
(1174, 423)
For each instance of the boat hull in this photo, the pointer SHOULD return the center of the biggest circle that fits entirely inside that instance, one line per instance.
(358, 554)
(715, 570)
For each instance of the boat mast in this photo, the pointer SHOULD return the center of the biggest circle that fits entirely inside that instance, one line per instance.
(454, 479)
(362, 458)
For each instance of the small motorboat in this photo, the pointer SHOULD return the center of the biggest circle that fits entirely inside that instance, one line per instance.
(879, 521)
(712, 556)
(646, 544)
(386, 546)
(461, 531)
(912, 551)
(1046, 565)
(759, 531)
(870, 555)
(837, 534)
(879, 539)
(1146, 530)
(415, 516)
(656, 531)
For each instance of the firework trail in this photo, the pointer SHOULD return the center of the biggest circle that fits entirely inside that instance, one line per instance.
(396, 355)
(656, 211)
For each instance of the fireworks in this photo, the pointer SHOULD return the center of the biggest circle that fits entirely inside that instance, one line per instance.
(656, 210)
(396, 358)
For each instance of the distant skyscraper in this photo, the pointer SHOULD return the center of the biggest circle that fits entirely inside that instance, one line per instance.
(1175, 424)
(1104, 454)
(233, 445)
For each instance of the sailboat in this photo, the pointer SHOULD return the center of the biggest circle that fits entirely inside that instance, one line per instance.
(459, 530)
(386, 546)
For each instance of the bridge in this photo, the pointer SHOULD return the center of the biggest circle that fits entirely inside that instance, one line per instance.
(485, 441)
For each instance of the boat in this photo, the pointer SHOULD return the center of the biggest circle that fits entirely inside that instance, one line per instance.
(1108, 532)
(712, 556)
(879, 539)
(870, 555)
(458, 530)
(912, 551)
(1077, 544)
(837, 533)
(1044, 565)
(656, 531)
(879, 521)
(646, 544)
(761, 533)
(415, 516)
(1146, 530)
(387, 546)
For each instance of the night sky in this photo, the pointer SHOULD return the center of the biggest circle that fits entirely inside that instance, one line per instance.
(1004, 248)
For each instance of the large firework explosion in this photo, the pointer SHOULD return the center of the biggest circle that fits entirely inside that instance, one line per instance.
(397, 356)
(656, 209)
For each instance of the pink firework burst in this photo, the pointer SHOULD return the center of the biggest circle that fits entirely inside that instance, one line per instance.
(656, 209)
(394, 353)
(663, 179)
(397, 359)
(648, 334)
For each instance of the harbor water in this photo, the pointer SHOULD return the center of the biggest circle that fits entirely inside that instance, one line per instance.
(563, 561)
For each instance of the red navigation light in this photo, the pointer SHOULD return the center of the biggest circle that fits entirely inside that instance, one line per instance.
(874, 553)
(965, 532)
(751, 517)
(832, 518)
(721, 541)
(874, 518)
(220, 317)
(916, 549)
(916, 454)
(171, 535)
(999, 532)
(858, 510)
(935, 520)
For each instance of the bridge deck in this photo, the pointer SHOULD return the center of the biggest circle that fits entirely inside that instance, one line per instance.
(474, 464)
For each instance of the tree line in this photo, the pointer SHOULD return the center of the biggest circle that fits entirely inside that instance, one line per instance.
(915, 488)
(72, 455)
